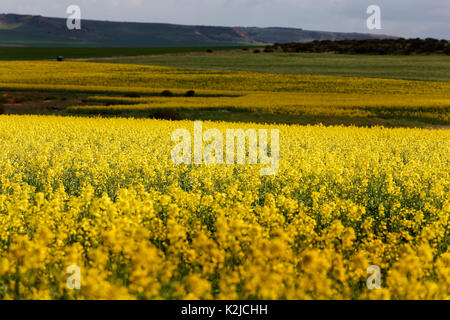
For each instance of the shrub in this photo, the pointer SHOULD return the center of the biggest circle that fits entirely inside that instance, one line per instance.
(167, 93)
(190, 93)
(166, 115)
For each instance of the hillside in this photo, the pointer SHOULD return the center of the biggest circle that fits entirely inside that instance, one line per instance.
(27, 30)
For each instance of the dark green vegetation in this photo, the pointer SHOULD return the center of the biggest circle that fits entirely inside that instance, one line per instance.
(51, 53)
(371, 46)
(25, 30)
(430, 68)
(387, 119)
(56, 103)
(51, 101)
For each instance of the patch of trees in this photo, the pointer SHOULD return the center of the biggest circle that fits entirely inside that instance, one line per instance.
(370, 46)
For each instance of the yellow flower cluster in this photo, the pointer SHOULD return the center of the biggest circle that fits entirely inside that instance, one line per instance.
(104, 194)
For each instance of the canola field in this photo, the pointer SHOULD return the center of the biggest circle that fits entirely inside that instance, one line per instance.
(300, 95)
(426, 109)
(104, 194)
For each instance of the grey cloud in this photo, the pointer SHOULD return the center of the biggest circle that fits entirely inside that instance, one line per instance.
(408, 18)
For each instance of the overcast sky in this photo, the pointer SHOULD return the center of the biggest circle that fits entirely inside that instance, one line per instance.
(407, 18)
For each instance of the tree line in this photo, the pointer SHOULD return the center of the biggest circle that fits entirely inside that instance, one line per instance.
(370, 46)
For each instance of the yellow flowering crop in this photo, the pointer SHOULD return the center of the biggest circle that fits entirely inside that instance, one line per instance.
(115, 77)
(104, 194)
(307, 95)
(410, 106)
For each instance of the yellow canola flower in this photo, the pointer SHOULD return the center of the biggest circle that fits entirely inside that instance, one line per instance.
(105, 195)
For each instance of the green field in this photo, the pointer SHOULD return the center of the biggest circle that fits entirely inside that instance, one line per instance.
(47, 53)
(428, 68)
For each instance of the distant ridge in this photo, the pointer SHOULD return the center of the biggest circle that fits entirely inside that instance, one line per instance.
(28, 30)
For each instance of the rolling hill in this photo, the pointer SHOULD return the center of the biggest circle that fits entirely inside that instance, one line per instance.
(28, 30)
